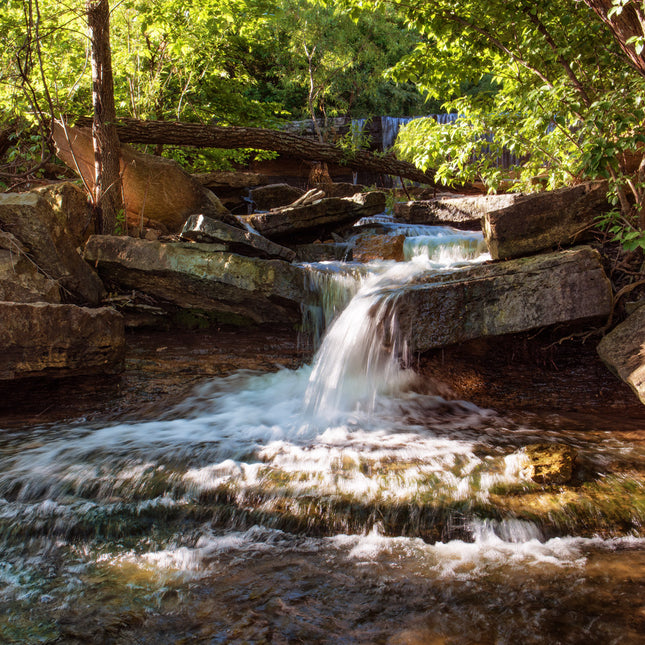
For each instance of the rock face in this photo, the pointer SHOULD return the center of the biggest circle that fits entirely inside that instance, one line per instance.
(204, 278)
(265, 198)
(503, 298)
(56, 340)
(544, 220)
(623, 351)
(155, 190)
(547, 463)
(19, 278)
(309, 221)
(379, 247)
(322, 252)
(51, 235)
(199, 228)
(460, 212)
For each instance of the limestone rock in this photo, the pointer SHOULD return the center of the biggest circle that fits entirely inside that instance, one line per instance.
(54, 340)
(199, 228)
(544, 220)
(547, 463)
(379, 247)
(155, 190)
(324, 252)
(205, 278)
(265, 198)
(51, 241)
(501, 298)
(19, 277)
(458, 211)
(623, 351)
(71, 209)
(308, 222)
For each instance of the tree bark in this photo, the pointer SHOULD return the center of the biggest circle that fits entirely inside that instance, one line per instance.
(107, 196)
(231, 137)
(628, 23)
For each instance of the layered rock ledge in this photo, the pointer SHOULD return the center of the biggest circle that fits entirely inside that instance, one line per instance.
(203, 277)
(502, 298)
(54, 340)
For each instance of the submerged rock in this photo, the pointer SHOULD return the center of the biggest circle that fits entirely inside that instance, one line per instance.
(205, 278)
(623, 351)
(54, 340)
(547, 463)
(544, 220)
(501, 298)
(307, 222)
(50, 224)
(200, 228)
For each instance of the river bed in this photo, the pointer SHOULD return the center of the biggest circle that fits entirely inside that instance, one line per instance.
(238, 487)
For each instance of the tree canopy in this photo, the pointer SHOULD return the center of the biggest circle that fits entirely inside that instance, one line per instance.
(559, 83)
(563, 96)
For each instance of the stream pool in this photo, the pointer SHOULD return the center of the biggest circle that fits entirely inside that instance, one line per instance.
(231, 488)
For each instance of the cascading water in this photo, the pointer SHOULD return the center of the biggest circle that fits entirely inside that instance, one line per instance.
(342, 502)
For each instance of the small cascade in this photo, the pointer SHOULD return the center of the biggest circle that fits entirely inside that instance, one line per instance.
(363, 355)
(343, 501)
(360, 355)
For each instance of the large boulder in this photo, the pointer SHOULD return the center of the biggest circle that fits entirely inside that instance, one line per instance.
(502, 298)
(156, 191)
(199, 228)
(51, 236)
(203, 278)
(544, 220)
(307, 222)
(54, 340)
(20, 280)
(453, 210)
(623, 351)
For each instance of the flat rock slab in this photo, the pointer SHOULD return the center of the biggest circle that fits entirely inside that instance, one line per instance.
(54, 340)
(544, 220)
(460, 212)
(200, 228)
(307, 222)
(503, 298)
(623, 351)
(206, 278)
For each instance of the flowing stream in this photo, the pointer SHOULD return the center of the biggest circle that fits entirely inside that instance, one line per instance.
(342, 502)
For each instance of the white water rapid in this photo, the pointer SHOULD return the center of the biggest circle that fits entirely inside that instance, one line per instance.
(342, 502)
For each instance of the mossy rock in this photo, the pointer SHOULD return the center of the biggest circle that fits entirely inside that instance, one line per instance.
(548, 463)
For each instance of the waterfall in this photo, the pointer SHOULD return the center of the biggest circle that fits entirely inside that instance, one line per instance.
(363, 355)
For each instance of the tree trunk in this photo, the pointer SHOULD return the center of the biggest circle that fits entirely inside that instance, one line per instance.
(231, 137)
(107, 193)
(628, 23)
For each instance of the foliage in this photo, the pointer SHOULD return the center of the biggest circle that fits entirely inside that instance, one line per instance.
(564, 100)
(237, 62)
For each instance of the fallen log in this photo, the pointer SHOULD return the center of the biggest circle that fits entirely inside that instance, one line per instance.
(233, 137)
